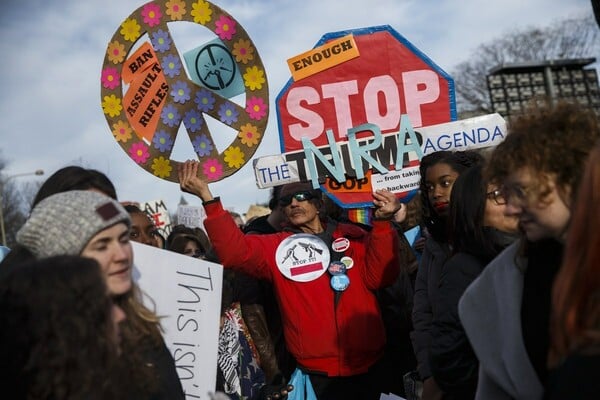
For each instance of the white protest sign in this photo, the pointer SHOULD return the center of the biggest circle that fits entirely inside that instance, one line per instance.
(472, 133)
(157, 210)
(390, 396)
(467, 134)
(192, 216)
(186, 293)
(274, 171)
(404, 180)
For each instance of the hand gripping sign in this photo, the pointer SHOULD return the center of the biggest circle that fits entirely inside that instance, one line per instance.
(145, 117)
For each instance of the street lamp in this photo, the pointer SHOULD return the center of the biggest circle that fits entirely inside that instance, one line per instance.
(2, 183)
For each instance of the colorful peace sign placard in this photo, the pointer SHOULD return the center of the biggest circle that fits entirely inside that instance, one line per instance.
(145, 119)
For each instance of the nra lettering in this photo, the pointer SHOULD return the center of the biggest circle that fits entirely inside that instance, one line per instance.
(354, 157)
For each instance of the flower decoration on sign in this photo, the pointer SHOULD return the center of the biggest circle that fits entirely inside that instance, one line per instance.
(228, 113)
(112, 105)
(205, 100)
(116, 52)
(249, 135)
(234, 157)
(180, 92)
(202, 145)
(146, 107)
(139, 152)
(121, 131)
(161, 167)
(175, 9)
(151, 14)
(130, 30)
(161, 41)
(193, 120)
(171, 65)
(110, 78)
(162, 141)
(201, 12)
(256, 108)
(212, 168)
(243, 51)
(254, 78)
(225, 28)
(170, 116)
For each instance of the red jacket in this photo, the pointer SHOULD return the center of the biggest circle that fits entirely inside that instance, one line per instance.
(340, 341)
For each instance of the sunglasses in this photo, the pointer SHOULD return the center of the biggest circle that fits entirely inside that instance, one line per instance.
(300, 196)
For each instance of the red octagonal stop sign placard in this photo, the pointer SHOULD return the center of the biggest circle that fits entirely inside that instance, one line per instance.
(390, 77)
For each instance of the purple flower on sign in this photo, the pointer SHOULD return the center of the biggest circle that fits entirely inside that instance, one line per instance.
(171, 65)
(162, 141)
(202, 145)
(193, 120)
(205, 100)
(170, 116)
(228, 113)
(161, 41)
(180, 92)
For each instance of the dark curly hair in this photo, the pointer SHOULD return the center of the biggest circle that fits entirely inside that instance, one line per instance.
(458, 161)
(548, 140)
(56, 330)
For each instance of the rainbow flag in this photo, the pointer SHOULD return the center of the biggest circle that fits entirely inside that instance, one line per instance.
(360, 215)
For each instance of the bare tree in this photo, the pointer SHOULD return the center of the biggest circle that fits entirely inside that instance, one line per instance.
(569, 38)
(16, 201)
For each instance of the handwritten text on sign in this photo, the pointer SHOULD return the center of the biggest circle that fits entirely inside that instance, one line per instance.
(186, 293)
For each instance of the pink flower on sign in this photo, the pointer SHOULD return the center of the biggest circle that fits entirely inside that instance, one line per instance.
(256, 108)
(225, 27)
(151, 14)
(110, 78)
(139, 152)
(212, 168)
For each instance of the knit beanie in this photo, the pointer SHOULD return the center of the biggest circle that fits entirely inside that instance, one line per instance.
(64, 223)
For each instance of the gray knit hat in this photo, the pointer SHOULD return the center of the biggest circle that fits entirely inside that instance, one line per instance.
(64, 223)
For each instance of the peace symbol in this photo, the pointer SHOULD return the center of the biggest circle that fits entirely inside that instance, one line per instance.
(219, 73)
(181, 100)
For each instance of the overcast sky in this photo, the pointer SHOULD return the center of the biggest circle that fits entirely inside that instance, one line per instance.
(53, 53)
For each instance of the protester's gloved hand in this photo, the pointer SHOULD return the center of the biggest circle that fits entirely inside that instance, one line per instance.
(277, 389)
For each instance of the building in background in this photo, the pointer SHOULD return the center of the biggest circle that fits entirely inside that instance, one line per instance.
(512, 86)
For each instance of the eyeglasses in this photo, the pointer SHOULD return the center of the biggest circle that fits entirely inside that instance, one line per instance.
(498, 197)
(518, 194)
(300, 196)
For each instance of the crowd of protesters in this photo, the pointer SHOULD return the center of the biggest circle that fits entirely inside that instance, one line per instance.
(496, 297)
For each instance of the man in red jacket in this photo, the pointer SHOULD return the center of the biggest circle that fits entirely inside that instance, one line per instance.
(323, 274)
